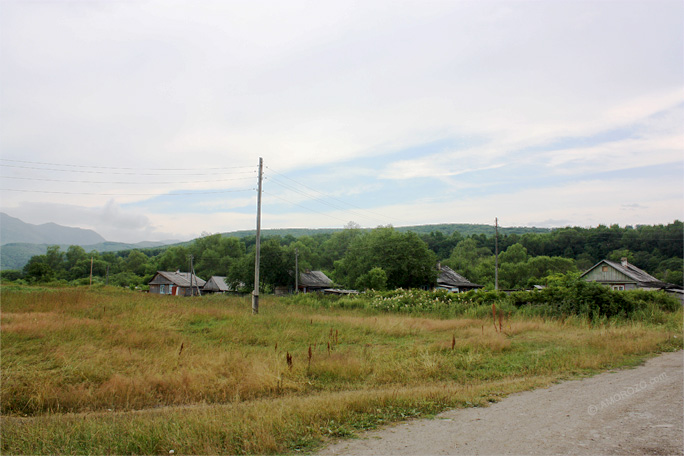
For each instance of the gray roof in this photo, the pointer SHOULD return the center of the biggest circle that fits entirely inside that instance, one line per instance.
(216, 283)
(450, 278)
(314, 279)
(180, 279)
(641, 277)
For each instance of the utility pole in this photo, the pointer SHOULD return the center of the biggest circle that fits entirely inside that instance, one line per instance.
(91, 271)
(192, 291)
(496, 254)
(257, 255)
(296, 270)
(193, 278)
(107, 275)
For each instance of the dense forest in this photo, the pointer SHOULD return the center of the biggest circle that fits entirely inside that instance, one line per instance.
(382, 258)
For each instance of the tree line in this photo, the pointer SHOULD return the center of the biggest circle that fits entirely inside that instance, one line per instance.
(382, 258)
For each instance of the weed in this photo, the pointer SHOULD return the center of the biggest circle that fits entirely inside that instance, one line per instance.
(76, 379)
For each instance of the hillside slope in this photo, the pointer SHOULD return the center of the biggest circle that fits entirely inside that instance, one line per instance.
(13, 230)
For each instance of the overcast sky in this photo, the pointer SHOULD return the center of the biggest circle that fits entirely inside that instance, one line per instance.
(145, 120)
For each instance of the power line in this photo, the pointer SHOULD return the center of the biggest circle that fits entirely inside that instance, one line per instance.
(120, 168)
(126, 194)
(183, 173)
(289, 187)
(123, 183)
(304, 207)
(374, 214)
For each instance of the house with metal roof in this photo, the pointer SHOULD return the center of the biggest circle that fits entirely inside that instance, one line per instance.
(623, 276)
(176, 283)
(216, 284)
(450, 280)
(313, 281)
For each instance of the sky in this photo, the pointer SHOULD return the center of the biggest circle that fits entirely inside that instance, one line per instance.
(145, 120)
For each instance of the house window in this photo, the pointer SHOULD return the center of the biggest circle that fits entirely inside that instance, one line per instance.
(618, 287)
(604, 269)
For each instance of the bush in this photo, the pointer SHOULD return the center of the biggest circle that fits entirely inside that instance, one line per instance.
(565, 296)
(11, 275)
(570, 295)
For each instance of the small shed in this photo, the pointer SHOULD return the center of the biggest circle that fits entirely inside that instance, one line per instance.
(450, 280)
(216, 284)
(176, 283)
(313, 281)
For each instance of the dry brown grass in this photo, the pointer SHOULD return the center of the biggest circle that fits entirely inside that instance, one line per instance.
(130, 367)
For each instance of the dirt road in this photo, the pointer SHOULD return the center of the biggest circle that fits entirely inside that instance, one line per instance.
(631, 411)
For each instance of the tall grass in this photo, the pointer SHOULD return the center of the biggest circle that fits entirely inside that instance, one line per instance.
(107, 371)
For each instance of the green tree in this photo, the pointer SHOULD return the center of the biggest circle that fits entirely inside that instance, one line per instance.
(74, 254)
(466, 259)
(404, 257)
(335, 248)
(136, 262)
(55, 259)
(174, 258)
(38, 270)
(375, 279)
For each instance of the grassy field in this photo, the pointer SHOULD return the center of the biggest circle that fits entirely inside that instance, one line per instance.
(105, 371)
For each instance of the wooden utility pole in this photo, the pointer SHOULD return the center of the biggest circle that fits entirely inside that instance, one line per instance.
(193, 279)
(91, 271)
(496, 254)
(257, 255)
(192, 291)
(296, 270)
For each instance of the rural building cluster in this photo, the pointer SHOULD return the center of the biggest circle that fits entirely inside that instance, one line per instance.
(618, 276)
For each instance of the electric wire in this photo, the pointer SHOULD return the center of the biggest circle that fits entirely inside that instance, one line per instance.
(119, 168)
(127, 194)
(375, 214)
(322, 201)
(184, 173)
(304, 207)
(123, 182)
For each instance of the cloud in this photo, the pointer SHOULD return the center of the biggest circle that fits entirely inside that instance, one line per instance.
(550, 223)
(110, 221)
(456, 99)
(113, 215)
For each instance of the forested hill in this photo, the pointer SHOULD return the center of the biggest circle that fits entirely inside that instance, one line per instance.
(447, 229)
(382, 257)
(16, 253)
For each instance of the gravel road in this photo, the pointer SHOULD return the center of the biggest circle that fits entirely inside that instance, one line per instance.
(630, 411)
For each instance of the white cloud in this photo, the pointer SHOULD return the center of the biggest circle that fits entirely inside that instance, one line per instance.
(311, 85)
(110, 221)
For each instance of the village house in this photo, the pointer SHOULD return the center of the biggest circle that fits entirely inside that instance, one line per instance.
(176, 283)
(313, 281)
(626, 276)
(449, 280)
(622, 276)
(216, 284)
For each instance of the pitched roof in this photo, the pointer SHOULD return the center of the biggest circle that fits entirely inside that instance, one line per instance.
(216, 283)
(450, 278)
(180, 279)
(643, 278)
(314, 279)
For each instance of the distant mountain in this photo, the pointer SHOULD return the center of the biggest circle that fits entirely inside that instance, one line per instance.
(13, 230)
(20, 241)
